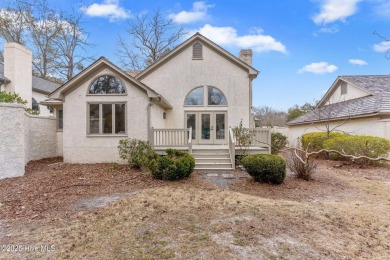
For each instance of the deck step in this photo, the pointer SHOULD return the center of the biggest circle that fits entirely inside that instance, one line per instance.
(213, 160)
(214, 169)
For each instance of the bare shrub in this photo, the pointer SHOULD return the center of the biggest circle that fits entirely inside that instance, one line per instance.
(300, 163)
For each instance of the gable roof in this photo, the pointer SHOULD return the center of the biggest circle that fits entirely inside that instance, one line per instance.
(99, 63)
(40, 85)
(376, 102)
(198, 37)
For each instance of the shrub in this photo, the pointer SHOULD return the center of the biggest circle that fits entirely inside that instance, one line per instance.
(302, 169)
(358, 145)
(265, 167)
(8, 97)
(314, 141)
(278, 142)
(174, 166)
(138, 153)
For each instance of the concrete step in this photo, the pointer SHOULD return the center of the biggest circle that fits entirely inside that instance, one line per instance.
(214, 169)
(213, 160)
(211, 155)
(213, 165)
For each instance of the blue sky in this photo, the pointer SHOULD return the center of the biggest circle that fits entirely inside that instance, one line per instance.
(300, 47)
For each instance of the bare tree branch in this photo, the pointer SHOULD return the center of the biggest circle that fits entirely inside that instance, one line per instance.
(152, 37)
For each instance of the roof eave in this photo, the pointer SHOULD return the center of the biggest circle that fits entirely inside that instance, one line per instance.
(334, 119)
(197, 36)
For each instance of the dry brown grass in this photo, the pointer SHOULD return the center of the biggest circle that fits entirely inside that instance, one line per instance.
(194, 220)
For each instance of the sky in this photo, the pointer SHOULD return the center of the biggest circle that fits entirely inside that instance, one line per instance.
(299, 46)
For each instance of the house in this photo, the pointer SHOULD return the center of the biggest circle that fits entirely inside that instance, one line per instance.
(353, 104)
(187, 100)
(16, 76)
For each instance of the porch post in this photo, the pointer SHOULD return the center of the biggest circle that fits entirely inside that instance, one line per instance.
(151, 136)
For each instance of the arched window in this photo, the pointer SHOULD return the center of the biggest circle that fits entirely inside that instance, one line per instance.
(197, 52)
(107, 85)
(210, 97)
(216, 97)
(195, 97)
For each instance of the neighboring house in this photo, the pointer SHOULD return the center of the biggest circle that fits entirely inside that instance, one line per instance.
(16, 76)
(197, 89)
(353, 104)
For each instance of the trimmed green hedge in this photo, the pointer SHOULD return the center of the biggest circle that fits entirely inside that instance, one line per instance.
(314, 141)
(358, 145)
(265, 167)
(174, 166)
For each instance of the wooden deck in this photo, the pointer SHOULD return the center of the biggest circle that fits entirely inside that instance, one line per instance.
(207, 156)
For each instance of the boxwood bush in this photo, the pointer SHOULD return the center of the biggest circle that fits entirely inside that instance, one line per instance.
(314, 141)
(358, 145)
(174, 166)
(265, 167)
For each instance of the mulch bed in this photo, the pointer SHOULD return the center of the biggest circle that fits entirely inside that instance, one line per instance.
(51, 187)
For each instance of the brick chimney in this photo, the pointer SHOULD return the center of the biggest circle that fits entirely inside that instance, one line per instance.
(18, 69)
(246, 56)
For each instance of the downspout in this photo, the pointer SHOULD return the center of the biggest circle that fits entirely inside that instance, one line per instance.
(148, 112)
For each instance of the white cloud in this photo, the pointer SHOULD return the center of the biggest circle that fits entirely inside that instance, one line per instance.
(382, 47)
(109, 9)
(357, 62)
(383, 8)
(333, 29)
(318, 68)
(197, 13)
(228, 36)
(335, 10)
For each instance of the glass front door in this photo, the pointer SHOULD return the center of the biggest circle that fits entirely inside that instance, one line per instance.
(207, 127)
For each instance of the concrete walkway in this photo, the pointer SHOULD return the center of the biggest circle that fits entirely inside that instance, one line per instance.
(223, 179)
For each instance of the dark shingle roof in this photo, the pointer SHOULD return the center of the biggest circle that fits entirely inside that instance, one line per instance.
(38, 84)
(376, 102)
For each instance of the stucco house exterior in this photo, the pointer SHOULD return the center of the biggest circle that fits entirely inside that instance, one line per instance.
(187, 100)
(357, 105)
(16, 76)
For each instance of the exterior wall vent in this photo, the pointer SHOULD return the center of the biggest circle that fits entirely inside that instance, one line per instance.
(197, 52)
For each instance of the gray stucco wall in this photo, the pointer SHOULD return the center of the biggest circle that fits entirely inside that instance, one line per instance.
(24, 138)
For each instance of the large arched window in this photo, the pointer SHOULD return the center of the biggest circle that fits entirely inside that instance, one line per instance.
(200, 96)
(107, 85)
(195, 97)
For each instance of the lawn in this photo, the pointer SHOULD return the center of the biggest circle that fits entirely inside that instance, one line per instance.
(343, 213)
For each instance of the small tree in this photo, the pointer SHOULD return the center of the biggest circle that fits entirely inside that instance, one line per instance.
(297, 111)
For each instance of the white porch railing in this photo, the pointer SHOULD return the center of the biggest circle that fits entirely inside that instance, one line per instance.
(172, 138)
(232, 148)
(261, 137)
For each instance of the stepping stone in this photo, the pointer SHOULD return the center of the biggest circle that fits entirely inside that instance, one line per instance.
(228, 176)
(212, 175)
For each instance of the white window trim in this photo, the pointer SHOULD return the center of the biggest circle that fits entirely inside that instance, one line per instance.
(101, 120)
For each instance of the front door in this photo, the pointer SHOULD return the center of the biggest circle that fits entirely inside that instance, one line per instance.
(209, 127)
